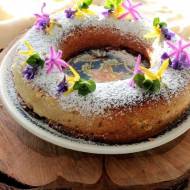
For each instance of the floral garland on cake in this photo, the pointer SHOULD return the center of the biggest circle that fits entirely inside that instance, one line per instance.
(52, 61)
(143, 78)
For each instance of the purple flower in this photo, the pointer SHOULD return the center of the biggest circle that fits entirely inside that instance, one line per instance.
(29, 72)
(62, 86)
(107, 12)
(54, 59)
(178, 48)
(165, 56)
(167, 34)
(181, 62)
(43, 20)
(70, 13)
(181, 57)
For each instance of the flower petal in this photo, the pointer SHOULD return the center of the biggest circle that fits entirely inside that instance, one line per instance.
(163, 68)
(148, 74)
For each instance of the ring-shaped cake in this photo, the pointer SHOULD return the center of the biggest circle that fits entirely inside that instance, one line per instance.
(119, 111)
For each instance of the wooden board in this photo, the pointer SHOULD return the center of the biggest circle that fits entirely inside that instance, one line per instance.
(31, 162)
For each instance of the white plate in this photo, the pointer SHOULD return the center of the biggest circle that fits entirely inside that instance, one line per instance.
(42, 130)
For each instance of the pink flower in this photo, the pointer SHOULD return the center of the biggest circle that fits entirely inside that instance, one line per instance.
(178, 49)
(181, 58)
(54, 59)
(43, 20)
(130, 9)
(136, 70)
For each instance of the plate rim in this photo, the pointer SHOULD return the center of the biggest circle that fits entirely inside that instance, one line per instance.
(75, 145)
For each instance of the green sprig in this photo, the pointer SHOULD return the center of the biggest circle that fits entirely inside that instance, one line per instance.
(157, 22)
(85, 4)
(35, 60)
(84, 87)
(112, 4)
(147, 84)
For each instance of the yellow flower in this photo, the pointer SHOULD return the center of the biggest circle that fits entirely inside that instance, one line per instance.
(84, 12)
(158, 75)
(51, 25)
(117, 12)
(78, 2)
(163, 68)
(30, 51)
(156, 33)
(72, 80)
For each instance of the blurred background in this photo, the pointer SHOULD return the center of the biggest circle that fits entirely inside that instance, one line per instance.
(17, 15)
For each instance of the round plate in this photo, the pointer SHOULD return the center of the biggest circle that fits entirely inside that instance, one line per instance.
(41, 129)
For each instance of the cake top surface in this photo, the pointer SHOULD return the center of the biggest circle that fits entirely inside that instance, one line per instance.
(109, 94)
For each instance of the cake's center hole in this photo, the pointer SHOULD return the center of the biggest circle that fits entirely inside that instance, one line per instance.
(103, 65)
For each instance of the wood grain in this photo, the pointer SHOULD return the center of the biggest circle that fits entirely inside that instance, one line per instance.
(39, 164)
(43, 167)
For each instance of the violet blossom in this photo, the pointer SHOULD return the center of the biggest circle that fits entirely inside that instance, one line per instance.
(42, 20)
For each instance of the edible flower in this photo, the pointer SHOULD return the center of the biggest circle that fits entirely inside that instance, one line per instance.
(158, 75)
(34, 61)
(62, 86)
(136, 70)
(84, 4)
(83, 12)
(147, 84)
(29, 72)
(43, 19)
(85, 87)
(181, 62)
(178, 48)
(165, 56)
(107, 12)
(30, 50)
(168, 35)
(34, 58)
(70, 13)
(148, 80)
(112, 4)
(181, 58)
(72, 80)
(130, 10)
(82, 8)
(54, 59)
(159, 30)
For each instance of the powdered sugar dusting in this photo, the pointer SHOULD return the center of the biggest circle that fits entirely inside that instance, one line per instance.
(110, 94)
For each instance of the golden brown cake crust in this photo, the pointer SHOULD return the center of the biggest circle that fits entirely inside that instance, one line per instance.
(121, 125)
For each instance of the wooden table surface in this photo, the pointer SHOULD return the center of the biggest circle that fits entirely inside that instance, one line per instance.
(27, 162)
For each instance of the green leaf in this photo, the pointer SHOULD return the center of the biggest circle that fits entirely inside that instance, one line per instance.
(85, 4)
(76, 85)
(84, 87)
(35, 60)
(156, 21)
(83, 90)
(112, 4)
(92, 86)
(156, 86)
(162, 24)
(147, 84)
(139, 79)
